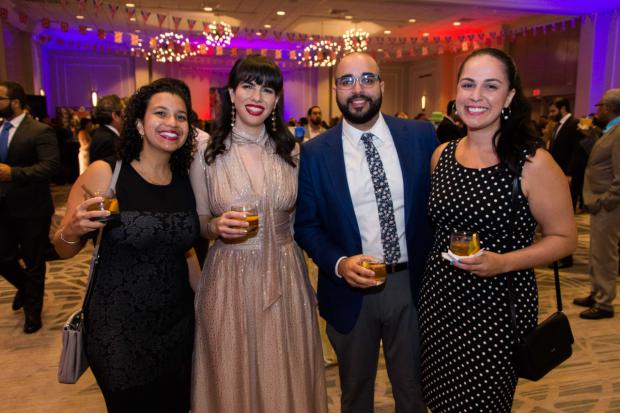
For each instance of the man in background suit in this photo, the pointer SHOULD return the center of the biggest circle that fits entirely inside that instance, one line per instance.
(29, 158)
(108, 114)
(363, 190)
(601, 195)
(566, 151)
(448, 130)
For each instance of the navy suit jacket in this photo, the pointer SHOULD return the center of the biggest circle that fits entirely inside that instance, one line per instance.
(325, 222)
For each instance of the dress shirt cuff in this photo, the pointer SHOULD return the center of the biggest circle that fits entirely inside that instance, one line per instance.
(336, 268)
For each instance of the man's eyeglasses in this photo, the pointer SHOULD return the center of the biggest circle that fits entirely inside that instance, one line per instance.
(367, 80)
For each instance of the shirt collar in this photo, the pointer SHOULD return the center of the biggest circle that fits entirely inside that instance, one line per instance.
(113, 129)
(17, 120)
(354, 135)
(565, 118)
(612, 123)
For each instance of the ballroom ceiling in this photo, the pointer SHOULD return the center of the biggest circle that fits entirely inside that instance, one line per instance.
(311, 17)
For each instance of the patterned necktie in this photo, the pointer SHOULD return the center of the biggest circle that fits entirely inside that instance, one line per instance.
(4, 140)
(387, 221)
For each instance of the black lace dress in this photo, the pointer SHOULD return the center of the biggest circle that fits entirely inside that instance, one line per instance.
(465, 323)
(140, 317)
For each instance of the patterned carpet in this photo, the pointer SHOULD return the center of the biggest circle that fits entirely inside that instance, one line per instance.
(589, 382)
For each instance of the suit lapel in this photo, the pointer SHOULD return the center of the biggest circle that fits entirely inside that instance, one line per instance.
(333, 156)
(406, 158)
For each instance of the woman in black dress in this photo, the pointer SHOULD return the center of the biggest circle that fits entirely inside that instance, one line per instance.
(465, 319)
(140, 316)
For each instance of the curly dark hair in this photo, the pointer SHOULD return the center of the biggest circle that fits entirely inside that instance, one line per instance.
(516, 134)
(130, 140)
(265, 72)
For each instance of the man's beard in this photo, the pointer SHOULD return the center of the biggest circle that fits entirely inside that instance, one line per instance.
(7, 113)
(360, 118)
(316, 122)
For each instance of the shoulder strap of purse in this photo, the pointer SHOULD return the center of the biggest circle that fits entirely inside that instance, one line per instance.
(556, 272)
(95, 257)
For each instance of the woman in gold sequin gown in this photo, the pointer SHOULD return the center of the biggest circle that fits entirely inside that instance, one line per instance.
(257, 347)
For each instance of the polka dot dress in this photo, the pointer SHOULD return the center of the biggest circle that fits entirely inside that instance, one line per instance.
(464, 319)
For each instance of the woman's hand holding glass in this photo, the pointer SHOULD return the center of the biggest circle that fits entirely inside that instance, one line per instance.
(487, 264)
(82, 220)
(230, 225)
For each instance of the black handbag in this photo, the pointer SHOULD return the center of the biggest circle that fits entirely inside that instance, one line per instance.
(550, 342)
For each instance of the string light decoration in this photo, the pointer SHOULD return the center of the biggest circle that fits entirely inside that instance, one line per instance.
(168, 47)
(219, 34)
(323, 53)
(355, 40)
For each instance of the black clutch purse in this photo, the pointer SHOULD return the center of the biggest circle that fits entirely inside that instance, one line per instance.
(550, 343)
(545, 347)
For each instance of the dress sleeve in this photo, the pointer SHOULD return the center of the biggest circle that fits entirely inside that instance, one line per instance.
(197, 174)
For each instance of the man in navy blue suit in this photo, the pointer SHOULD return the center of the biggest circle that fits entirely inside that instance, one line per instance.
(363, 191)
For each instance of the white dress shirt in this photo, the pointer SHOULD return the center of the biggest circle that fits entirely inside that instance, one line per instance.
(16, 121)
(362, 190)
(113, 129)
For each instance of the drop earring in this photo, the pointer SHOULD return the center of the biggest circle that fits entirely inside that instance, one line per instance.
(233, 114)
(506, 112)
(273, 120)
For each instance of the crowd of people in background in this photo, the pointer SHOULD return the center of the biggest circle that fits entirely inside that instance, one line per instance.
(238, 330)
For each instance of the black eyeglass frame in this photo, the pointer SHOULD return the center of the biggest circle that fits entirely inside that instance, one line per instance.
(373, 77)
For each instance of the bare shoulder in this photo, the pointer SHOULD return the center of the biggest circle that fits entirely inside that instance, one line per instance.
(541, 172)
(97, 175)
(437, 154)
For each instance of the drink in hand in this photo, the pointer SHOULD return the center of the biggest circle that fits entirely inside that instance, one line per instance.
(378, 268)
(463, 243)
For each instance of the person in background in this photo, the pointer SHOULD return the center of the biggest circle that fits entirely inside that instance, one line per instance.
(465, 321)
(566, 151)
(448, 129)
(359, 200)
(29, 158)
(257, 345)
(109, 115)
(601, 195)
(315, 124)
(139, 318)
(84, 138)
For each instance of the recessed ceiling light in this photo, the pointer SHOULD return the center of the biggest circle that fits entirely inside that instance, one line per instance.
(130, 5)
(132, 19)
(412, 20)
(280, 13)
(89, 29)
(208, 8)
(138, 31)
(426, 34)
(348, 17)
(379, 50)
(456, 23)
(259, 34)
(387, 32)
(267, 26)
(79, 17)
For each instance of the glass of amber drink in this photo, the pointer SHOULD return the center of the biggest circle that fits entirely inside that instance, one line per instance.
(108, 203)
(378, 268)
(251, 215)
(464, 243)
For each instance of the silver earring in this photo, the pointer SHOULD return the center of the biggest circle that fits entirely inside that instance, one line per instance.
(273, 120)
(506, 112)
(233, 113)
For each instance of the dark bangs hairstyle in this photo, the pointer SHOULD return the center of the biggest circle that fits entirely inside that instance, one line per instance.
(517, 135)
(130, 139)
(264, 72)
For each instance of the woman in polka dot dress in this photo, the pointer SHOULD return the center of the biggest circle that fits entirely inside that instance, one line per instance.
(464, 314)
